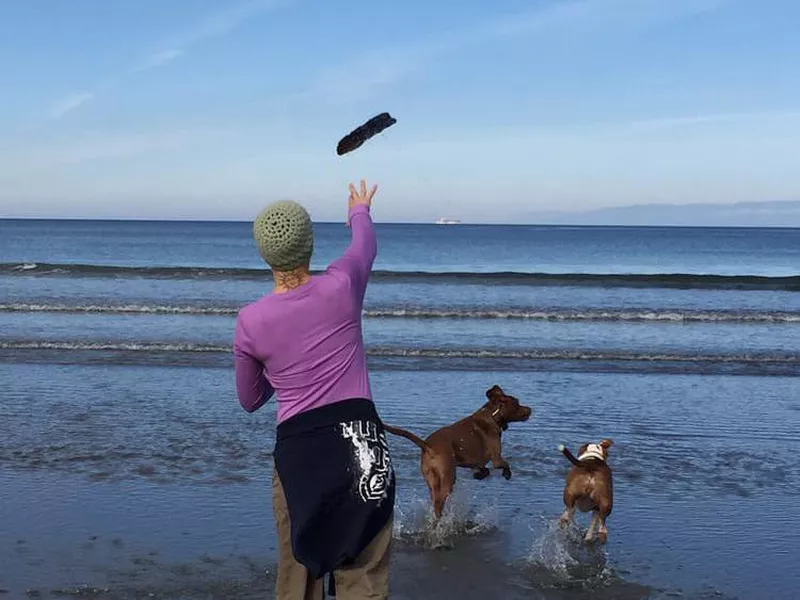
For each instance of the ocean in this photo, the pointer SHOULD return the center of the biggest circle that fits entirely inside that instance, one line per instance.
(128, 469)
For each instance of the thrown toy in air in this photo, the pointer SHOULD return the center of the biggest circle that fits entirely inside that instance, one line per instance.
(361, 134)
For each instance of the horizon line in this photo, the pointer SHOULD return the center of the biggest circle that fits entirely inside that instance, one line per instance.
(431, 223)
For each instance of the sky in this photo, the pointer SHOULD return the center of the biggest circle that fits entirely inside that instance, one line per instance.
(210, 109)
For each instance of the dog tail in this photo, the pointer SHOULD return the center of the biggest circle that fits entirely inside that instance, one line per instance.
(425, 446)
(570, 456)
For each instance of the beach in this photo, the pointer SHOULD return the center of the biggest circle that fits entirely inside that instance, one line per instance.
(128, 469)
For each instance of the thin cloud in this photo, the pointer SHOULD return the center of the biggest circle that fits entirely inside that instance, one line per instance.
(380, 68)
(24, 162)
(659, 123)
(587, 16)
(69, 103)
(214, 25)
(223, 22)
(159, 59)
(550, 135)
(364, 76)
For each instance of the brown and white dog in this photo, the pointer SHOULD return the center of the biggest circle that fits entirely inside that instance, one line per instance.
(471, 442)
(589, 487)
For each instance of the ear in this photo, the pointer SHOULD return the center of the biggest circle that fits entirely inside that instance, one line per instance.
(494, 391)
(583, 449)
(607, 443)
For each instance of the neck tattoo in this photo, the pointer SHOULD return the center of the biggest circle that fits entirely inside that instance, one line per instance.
(290, 280)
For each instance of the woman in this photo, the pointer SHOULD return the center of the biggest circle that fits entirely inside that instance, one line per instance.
(333, 483)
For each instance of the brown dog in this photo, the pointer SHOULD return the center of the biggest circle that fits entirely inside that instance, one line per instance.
(589, 487)
(471, 442)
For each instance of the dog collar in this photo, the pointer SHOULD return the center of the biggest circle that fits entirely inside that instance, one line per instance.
(593, 451)
(502, 425)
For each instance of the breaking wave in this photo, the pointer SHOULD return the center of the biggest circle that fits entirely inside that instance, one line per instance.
(533, 314)
(417, 352)
(637, 280)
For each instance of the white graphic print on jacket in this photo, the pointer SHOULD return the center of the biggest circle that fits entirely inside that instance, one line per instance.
(370, 459)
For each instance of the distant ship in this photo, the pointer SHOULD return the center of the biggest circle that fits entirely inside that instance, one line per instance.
(444, 221)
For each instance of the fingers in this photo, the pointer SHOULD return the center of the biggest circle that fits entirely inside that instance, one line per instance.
(363, 194)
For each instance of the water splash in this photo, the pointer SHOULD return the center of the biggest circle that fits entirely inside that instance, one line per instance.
(463, 516)
(559, 557)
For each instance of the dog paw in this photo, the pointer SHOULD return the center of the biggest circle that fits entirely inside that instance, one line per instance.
(481, 474)
(602, 537)
(507, 473)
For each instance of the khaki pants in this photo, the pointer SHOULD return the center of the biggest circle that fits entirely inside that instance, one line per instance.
(367, 578)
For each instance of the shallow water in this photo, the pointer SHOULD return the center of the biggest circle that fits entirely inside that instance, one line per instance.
(128, 470)
(159, 460)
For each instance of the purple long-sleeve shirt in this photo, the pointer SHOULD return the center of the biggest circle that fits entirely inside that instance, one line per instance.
(305, 345)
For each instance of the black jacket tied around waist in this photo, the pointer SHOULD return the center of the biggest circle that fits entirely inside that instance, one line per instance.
(334, 465)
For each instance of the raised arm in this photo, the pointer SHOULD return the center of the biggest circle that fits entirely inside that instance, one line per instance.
(358, 258)
(252, 386)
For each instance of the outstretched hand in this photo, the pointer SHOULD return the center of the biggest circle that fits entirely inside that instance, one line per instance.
(359, 197)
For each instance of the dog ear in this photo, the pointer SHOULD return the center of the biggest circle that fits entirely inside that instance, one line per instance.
(607, 443)
(494, 391)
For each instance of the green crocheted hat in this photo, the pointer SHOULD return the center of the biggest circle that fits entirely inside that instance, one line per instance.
(284, 235)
